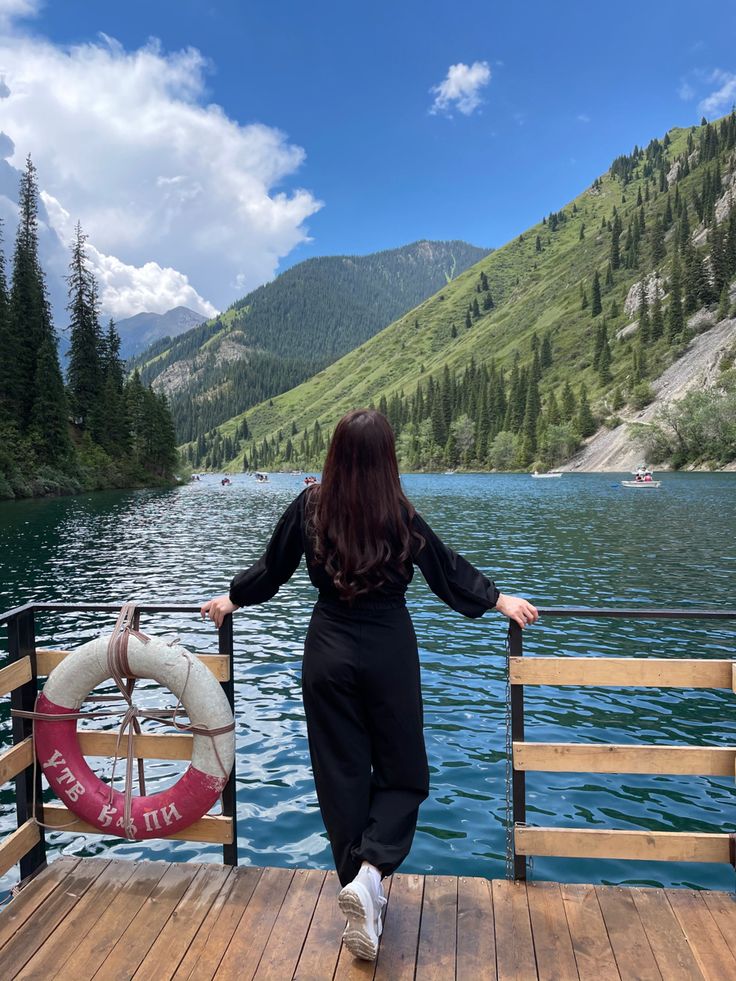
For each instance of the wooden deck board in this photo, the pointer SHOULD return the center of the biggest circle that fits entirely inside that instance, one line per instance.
(592, 948)
(476, 939)
(397, 955)
(711, 951)
(438, 930)
(279, 959)
(319, 954)
(552, 942)
(154, 921)
(251, 935)
(628, 938)
(174, 940)
(51, 956)
(213, 937)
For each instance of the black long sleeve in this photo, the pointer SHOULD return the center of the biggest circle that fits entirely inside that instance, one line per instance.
(277, 564)
(450, 576)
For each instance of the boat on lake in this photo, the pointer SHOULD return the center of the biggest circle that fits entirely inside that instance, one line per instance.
(261, 478)
(551, 473)
(643, 477)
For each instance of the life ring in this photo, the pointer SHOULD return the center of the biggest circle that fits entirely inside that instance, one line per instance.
(85, 794)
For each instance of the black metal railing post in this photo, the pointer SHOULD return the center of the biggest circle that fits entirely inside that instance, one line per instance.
(229, 804)
(518, 777)
(22, 643)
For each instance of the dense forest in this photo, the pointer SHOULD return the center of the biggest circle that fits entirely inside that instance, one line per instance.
(286, 331)
(562, 330)
(98, 429)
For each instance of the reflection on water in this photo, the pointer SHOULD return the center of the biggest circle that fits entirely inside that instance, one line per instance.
(581, 540)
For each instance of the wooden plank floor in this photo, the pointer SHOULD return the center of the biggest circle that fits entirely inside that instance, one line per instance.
(115, 920)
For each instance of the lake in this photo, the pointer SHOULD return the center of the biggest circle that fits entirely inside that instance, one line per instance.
(578, 541)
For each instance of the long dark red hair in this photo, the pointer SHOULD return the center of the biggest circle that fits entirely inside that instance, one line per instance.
(359, 517)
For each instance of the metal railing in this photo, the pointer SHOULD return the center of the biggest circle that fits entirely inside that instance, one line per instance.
(619, 672)
(19, 678)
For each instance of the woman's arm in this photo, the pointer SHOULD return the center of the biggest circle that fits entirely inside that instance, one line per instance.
(262, 580)
(459, 584)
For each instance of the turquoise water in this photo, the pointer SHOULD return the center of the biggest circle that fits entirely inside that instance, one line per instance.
(581, 540)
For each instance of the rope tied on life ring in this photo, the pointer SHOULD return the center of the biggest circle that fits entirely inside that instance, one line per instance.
(198, 788)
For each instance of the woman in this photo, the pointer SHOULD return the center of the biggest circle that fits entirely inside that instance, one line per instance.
(360, 678)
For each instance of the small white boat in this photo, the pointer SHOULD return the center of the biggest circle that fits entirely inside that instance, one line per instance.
(552, 473)
(262, 478)
(448, 472)
(643, 477)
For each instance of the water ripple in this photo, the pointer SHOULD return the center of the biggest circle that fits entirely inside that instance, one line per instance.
(577, 541)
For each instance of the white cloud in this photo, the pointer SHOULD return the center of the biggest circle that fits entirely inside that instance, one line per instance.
(686, 91)
(170, 190)
(720, 101)
(125, 288)
(11, 10)
(461, 88)
(583, 117)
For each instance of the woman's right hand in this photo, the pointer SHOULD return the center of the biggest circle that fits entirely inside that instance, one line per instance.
(217, 609)
(517, 609)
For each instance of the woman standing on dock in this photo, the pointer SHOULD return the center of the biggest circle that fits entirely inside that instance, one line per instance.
(360, 679)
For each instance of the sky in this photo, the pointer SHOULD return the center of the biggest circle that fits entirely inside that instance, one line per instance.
(206, 146)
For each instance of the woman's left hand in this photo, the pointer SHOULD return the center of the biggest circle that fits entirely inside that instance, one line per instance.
(217, 609)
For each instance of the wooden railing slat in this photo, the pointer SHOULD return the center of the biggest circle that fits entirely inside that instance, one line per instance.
(47, 660)
(621, 672)
(14, 760)
(663, 846)
(17, 844)
(213, 829)
(613, 758)
(14, 675)
(147, 746)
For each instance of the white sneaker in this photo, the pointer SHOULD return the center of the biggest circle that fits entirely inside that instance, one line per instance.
(362, 902)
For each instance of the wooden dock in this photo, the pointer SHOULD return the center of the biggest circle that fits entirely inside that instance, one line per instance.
(94, 918)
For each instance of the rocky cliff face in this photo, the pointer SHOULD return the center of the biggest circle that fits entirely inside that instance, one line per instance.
(614, 449)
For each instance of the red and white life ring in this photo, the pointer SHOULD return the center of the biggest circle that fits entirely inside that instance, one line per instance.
(88, 797)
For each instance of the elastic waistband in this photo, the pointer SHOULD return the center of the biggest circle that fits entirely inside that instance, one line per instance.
(362, 603)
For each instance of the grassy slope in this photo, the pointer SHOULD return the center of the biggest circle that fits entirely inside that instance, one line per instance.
(547, 297)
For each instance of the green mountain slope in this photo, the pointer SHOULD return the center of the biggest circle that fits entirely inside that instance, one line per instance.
(519, 378)
(283, 332)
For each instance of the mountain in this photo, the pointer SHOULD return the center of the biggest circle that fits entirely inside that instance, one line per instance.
(520, 359)
(283, 332)
(140, 331)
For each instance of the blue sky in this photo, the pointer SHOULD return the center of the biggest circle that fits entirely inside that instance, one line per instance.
(552, 93)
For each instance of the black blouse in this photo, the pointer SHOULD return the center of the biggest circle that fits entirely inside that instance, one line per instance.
(448, 575)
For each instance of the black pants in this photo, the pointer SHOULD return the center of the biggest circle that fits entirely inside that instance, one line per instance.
(363, 705)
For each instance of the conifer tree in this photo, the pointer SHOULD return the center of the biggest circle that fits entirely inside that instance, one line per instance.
(657, 327)
(604, 359)
(609, 276)
(85, 378)
(538, 244)
(658, 247)
(596, 305)
(616, 230)
(8, 356)
(30, 323)
(569, 403)
(585, 421)
(675, 318)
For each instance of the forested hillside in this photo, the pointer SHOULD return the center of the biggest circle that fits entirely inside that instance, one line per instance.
(524, 355)
(98, 430)
(285, 331)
